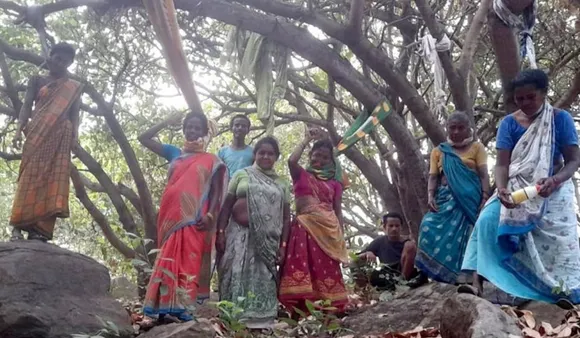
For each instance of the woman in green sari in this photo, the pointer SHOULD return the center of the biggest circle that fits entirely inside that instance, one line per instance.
(252, 233)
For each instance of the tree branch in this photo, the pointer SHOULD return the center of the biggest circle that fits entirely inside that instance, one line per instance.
(98, 216)
(457, 83)
(125, 216)
(355, 19)
(572, 94)
(472, 38)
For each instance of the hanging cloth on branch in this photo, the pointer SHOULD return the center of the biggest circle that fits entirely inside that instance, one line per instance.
(163, 17)
(430, 49)
(363, 125)
(525, 25)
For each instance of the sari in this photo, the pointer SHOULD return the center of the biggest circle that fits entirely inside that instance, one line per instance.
(444, 234)
(182, 271)
(531, 251)
(316, 248)
(43, 179)
(247, 270)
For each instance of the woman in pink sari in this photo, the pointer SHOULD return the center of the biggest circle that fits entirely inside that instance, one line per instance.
(189, 207)
(316, 247)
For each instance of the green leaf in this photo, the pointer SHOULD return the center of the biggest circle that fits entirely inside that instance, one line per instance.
(138, 262)
(168, 273)
(154, 251)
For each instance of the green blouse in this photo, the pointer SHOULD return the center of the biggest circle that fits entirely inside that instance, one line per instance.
(239, 185)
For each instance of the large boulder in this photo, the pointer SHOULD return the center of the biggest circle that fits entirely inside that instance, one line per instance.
(419, 307)
(50, 292)
(434, 305)
(467, 316)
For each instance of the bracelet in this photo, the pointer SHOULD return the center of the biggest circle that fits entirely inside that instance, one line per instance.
(283, 244)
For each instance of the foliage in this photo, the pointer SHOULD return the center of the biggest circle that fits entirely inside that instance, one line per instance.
(109, 330)
(319, 321)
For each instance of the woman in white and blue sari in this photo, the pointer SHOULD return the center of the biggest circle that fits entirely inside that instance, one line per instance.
(531, 250)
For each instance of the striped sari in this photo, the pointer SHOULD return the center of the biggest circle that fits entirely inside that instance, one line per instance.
(182, 270)
(43, 180)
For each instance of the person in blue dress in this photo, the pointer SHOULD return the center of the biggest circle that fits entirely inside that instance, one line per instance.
(238, 155)
(531, 250)
(458, 187)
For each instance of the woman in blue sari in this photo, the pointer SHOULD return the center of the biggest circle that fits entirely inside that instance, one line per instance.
(458, 187)
(531, 250)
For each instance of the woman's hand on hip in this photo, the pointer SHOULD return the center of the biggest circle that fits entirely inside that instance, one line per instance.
(547, 186)
(505, 198)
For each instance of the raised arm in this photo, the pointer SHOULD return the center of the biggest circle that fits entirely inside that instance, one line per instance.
(147, 140)
(294, 158)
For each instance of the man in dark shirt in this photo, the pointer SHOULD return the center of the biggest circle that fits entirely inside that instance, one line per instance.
(395, 252)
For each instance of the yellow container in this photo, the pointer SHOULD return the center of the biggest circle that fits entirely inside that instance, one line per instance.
(522, 195)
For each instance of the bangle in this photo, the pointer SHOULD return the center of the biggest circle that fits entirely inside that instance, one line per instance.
(283, 244)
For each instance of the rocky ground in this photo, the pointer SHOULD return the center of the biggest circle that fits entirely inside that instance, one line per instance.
(49, 292)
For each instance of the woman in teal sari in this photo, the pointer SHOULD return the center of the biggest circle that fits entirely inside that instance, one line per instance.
(530, 250)
(252, 234)
(458, 187)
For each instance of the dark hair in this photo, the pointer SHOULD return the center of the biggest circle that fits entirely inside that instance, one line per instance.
(460, 117)
(322, 144)
(201, 117)
(64, 48)
(536, 77)
(240, 116)
(268, 140)
(392, 215)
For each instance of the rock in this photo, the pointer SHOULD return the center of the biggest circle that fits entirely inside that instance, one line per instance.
(201, 328)
(467, 316)
(434, 305)
(122, 288)
(413, 308)
(50, 292)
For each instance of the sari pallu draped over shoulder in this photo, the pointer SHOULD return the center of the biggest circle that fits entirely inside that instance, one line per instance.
(444, 234)
(182, 270)
(43, 181)
(316, 247)
(530, 251)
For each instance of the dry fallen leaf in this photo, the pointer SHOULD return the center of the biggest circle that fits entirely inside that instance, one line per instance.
(529, 320)
(531, 333)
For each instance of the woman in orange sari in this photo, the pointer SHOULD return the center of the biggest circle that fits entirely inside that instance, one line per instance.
(316, 247)
(189, 207)
(43, 180)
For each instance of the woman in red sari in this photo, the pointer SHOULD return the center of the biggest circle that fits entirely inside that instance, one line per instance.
(316, 247)
(189, 207)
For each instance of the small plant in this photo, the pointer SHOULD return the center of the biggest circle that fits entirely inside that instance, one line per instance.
(231, 313)
(561, 289)
(109, 330)
(321, 321)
